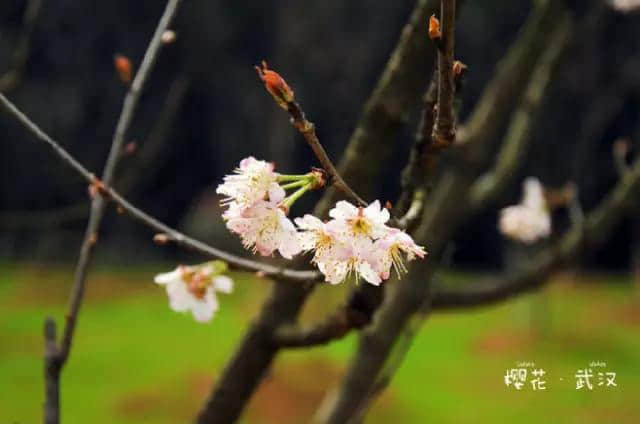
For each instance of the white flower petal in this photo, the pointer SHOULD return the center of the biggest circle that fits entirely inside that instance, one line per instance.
(223, 284)
(168, 277)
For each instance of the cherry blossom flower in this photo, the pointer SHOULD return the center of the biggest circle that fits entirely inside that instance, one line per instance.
(356, 243)
(251, 182)
(353, 262)
(388, 251)
(528, 221)
(359, 222)
(318, 237)
(263, 226)
(193, 288)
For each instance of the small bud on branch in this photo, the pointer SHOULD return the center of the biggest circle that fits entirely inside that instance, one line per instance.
(435, 34)
(161, 239)
(459, 69)
(123, 68)
(169, 36)
(130, 148)
(276, 86)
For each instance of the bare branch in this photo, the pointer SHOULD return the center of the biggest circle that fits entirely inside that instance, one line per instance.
(152, 151)
(52, 368)
(235, 262)
(421, 160)
(387, 109)
(98, 204)
(308, 130)
(444, 128)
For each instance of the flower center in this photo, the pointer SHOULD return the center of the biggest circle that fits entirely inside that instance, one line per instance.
(197, 282)
(361, 226)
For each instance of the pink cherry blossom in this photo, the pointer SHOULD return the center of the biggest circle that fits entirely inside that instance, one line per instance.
(388, 252)
(263, 226)
(360, 222)
(318, 237)
(193, 288)
(354, 262)
(251, 182)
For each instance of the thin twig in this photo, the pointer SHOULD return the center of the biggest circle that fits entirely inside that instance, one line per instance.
(179, 238)
(98, 204)
(423, 151)
(444, 128)
(153, 151)
(308, 131)
(388, 109)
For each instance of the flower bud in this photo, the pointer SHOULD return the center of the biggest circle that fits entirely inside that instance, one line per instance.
(123, 68)
(434, 28)
(168, 37)
(161, 239)
(275, 85)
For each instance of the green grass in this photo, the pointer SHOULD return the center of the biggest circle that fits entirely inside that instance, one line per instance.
(136, 361)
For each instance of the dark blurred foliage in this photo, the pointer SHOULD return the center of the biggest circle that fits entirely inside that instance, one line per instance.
(331, 53)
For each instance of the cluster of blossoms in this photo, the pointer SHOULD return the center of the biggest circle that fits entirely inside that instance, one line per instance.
(194, 288)
(530, 220)
(356, 242)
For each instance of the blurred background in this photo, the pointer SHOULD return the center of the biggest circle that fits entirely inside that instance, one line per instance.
(203, 110)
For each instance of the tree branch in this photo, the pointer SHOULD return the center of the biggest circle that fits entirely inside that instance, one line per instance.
(422, 156)
(356, 313)
(308, 131)
(179, 238)
(518, 136)
(446, 210)
(387, 109)
(444, 128)
(98, 204)
(153, 150)
(383, 116)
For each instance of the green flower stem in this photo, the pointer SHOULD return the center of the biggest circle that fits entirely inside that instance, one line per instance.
(295, 184)
(289, 201)
(285, 178)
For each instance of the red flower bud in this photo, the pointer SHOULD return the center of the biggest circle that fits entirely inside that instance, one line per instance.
(434, 28)
(123, 68)
(275, 85)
